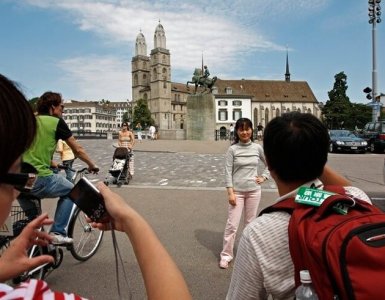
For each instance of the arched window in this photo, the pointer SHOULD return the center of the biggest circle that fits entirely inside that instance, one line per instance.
(256, 121)
(267, 116)
(155, 73)
(277, 112)
(145, 96)
(136, 79)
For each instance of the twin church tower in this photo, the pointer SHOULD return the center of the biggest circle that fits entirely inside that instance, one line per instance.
(151, 78)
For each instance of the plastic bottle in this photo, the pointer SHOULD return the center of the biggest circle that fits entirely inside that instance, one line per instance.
(305, 291)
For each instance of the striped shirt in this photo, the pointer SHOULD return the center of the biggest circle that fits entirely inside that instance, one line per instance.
(263, 264)
(34, 290)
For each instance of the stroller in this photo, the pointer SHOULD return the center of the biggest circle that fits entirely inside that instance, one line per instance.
(119, 170)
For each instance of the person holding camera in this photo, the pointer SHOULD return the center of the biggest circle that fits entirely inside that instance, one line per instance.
(162, 278)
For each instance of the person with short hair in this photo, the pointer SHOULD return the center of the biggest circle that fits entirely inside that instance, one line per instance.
(51, 128)
(162, 278)
(296, 149)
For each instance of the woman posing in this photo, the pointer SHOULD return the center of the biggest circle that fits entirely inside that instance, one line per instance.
(242, 183)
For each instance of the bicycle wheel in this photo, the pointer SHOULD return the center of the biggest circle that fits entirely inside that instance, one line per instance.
(38, 272)
(86, 239)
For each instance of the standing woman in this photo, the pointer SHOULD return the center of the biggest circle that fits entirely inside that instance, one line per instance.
(138, 128)
(243, 184)
(127, 139)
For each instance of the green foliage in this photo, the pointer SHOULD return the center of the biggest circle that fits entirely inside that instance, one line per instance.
(142, 114)
(339, 112)
(33, 103)
(125, 117)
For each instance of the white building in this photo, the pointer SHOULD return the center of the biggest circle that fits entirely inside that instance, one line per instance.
(89, 116)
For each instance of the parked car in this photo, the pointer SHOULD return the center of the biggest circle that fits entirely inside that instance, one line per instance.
(346, 140)
(374, 134)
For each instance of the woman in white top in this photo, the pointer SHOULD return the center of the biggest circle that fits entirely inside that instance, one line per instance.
(242, 183)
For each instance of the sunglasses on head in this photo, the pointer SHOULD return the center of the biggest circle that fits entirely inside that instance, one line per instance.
(23, 181)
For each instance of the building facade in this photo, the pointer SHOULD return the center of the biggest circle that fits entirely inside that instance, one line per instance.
(259, 100)
(90, 116)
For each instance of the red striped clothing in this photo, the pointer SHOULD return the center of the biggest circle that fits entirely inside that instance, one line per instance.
(33, 289)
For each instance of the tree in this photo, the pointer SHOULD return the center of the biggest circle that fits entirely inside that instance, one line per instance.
(33, 103)
(338, 108)
(125, 117)
(339, 112)
(359, 116)
(142, 114)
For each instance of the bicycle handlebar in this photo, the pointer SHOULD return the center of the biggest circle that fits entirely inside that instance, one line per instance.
(84, 170)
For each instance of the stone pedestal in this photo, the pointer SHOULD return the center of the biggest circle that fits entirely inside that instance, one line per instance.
(200, 121)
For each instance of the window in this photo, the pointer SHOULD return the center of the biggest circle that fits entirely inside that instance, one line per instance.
(222, 103)
(228, 90)
(237, 103)
(215, 90)
(237, 114)
(222, 115)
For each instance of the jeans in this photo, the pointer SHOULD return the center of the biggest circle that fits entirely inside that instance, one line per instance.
(69, 173)
(53, 186)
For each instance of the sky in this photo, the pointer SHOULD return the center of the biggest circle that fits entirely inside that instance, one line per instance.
(83, 48)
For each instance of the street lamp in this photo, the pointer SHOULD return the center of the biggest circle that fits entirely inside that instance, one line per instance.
(374, 18)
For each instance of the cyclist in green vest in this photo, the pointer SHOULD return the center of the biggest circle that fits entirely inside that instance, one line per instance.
(50, 128)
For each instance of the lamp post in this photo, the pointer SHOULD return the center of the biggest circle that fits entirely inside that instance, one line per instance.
(374, 10)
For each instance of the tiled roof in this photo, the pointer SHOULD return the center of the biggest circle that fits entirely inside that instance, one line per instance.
(268, 90)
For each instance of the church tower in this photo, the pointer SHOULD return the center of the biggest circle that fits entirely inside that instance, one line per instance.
(287, 74)
(160, 84)
(140, 70)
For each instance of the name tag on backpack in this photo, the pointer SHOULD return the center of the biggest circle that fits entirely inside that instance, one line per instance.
(315, 197)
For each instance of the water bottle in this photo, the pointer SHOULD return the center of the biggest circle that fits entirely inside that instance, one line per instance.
(305, 291)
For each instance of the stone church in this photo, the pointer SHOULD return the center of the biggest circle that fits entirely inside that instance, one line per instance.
(258, 100)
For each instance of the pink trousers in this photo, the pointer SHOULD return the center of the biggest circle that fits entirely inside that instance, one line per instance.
(247, 202)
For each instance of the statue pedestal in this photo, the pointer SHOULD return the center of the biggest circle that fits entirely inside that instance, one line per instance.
(200, 121)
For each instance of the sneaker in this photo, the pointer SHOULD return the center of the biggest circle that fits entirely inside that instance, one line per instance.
(223, 264)
(58, 239)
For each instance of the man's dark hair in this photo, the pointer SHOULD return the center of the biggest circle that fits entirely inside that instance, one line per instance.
(243, 123)
(47, 101)
(296, 146)
(17, 124)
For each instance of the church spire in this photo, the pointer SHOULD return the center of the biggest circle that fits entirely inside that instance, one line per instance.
(140, 44)
(159, 37)
(287, 74)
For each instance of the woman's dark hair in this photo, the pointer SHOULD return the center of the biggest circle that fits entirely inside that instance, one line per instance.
(243, 123)
(296, 146)
(17, 124)
(46, 101)
(125, 124)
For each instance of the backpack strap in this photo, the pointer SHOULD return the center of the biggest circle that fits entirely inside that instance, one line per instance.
(288, 205)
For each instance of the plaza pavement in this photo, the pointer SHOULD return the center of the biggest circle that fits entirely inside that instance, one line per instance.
(178, 187)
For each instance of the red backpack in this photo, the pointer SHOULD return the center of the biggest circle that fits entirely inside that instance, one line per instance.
(345, 254)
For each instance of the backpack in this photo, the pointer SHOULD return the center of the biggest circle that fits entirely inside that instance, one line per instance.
(344, 253)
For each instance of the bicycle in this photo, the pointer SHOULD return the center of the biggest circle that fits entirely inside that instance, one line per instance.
(86, 239)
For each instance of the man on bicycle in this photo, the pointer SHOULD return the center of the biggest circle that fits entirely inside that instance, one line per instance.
(50, 128)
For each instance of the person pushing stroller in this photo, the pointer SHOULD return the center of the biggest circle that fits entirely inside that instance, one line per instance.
(122, 168)
(127, 140)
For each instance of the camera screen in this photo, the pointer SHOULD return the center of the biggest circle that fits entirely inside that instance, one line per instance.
(88, 199)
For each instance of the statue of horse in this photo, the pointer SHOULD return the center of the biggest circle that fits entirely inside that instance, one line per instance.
(199, 80)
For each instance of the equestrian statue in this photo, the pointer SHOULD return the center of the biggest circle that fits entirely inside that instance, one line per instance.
(202, 80)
